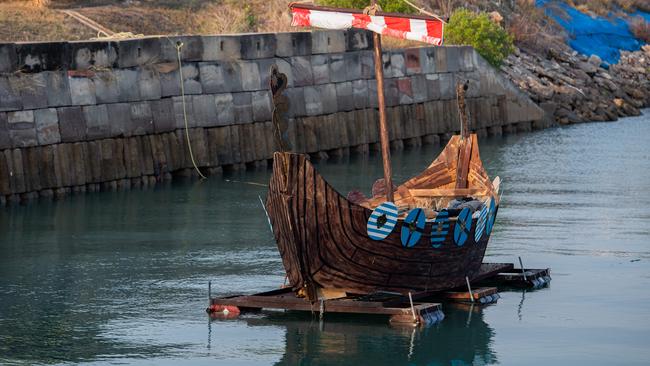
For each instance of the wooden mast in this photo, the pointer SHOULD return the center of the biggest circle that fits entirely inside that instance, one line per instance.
(461, 88)
(383, 127)
(430, 33)
(465, 147)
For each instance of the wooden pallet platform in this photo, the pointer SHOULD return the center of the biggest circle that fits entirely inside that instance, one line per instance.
(481, 295)
(489, 270)
(422, 308)
(285, 299)
(528, 278)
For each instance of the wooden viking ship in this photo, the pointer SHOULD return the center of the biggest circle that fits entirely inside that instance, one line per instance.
(428, 234)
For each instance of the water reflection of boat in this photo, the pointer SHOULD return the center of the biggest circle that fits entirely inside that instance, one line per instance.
(462, 339)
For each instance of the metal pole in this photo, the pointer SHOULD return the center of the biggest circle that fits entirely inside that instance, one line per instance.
(209, 292)
(415, 318)
(469, 288)
(383, 127)
(523, 271)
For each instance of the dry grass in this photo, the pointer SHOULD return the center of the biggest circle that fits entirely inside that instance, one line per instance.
(169, 4)
(199, 17)
(605, 7)
(24, 21)
(532, 29)
(525, 26)
(151, 17)
(32, 20)
(27, 21)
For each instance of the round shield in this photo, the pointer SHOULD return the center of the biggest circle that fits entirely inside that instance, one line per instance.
(382, 221)
(439, 229)
(412, 227)
(463, 226)
(491, 217)
(480, 223)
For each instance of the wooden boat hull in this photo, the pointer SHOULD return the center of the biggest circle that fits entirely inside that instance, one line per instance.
(323, 240)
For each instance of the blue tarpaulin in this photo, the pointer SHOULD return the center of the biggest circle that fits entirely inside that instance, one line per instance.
(588, 35)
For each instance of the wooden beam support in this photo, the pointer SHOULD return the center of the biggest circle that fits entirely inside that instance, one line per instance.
(383, 125)
(448, 192)
(291, 302)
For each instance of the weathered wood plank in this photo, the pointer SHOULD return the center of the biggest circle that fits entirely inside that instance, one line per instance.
(477, 293)
(454, 192)
(291, 302)
(463, 162)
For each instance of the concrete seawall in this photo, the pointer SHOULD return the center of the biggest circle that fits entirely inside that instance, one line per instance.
(77, 116)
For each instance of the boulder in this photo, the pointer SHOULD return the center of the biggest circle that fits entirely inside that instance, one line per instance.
(646, 49)
(595, 60)
(587, 67)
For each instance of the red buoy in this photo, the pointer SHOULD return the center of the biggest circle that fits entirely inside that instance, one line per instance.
(223, 311)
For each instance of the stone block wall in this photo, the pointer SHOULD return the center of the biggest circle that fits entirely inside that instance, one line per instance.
(84, 115)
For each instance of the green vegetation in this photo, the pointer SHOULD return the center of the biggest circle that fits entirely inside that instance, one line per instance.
(396, 6)
(249, 16)
(476, 29)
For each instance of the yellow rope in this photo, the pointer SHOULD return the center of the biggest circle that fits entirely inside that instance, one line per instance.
(187, 128)
(421, 10)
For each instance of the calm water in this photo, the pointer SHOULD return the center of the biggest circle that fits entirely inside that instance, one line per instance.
(121, 277)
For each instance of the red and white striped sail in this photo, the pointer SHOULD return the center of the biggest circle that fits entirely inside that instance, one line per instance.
(429, 30)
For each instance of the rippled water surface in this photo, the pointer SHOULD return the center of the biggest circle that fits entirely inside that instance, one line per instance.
(121, 277)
